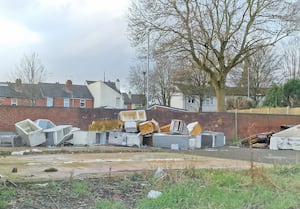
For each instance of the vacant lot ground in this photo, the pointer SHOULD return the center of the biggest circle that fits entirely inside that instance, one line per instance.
(87, 174)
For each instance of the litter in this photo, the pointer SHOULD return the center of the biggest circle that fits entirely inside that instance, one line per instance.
(154, 194)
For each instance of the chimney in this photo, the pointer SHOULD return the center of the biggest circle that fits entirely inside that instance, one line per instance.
(18, 85)
(118, 84)
(129, 95)
(69, 86)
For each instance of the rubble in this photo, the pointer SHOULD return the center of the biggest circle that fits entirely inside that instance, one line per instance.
(261, 140)
(286, 139)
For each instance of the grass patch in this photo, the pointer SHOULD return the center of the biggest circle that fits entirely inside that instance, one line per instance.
(50, 170)
(6, 195)
(190, 188)
(227, 189)
(79, 188)
(104, 204)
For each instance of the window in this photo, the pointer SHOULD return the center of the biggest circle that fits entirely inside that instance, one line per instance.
(14, 102)
(118, 102)
(49, 102)
(66, 102)
(82, 103)
(209, 101)
(191, 100)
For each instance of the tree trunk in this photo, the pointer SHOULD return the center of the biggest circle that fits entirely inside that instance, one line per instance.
(219, 86)
(220, 94)
(200, 103)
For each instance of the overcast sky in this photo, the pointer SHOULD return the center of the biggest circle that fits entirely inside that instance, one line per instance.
(75, 39)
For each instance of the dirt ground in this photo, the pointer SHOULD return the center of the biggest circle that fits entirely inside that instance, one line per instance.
(94, 164)
(103, 160)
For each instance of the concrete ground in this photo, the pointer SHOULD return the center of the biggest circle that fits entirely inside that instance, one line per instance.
(109, 160)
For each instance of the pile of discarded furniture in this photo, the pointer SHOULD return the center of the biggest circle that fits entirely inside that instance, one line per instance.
(288, 138)
(130, 129)
(133, 129)
(261, 140)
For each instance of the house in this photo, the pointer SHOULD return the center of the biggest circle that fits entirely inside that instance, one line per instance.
(106, 93)
(45, 94)
(66, 95)
(134, 101)
(236, 97)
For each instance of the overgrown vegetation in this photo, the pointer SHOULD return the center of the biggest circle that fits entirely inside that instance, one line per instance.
(273, 188)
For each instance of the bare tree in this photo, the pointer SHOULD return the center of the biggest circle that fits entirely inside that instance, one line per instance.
(291, 59)
(31, 70)
(192, 82)
(137, 80)
(217, 35)
(28, 74)
(162, 80)
(258, 72)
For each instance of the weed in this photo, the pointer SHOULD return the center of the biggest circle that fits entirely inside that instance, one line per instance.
(79, 187)
(5, 153)
(50, 170)
(5, 196)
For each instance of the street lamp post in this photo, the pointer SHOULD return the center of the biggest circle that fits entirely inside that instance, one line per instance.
(148, 66)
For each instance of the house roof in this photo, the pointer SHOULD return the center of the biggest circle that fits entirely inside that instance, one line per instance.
(41, 90)
(110, 84)
(133, 98)
(60, 90)
(9, 90)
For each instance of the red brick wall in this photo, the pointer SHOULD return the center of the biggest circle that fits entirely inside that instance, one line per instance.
(240, 125)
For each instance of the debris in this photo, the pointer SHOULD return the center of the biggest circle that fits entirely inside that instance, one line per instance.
(131, 126)
(210, 139)
(30, 132)
(36, 150)
(10, 139)
(166, 140)
(90, 138)
(154, 194)
(174, 147)
(178, 127)
(42, 185)
(105, 125)
(56, 135)
(165, 128)
(146, 128)
(159, 173)
(286, 139)
(194, 128)
(12, 183)
(133, 115)
(263, 138)
(14, 170)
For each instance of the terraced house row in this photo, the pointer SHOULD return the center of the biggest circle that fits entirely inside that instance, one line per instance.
(93, 94)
